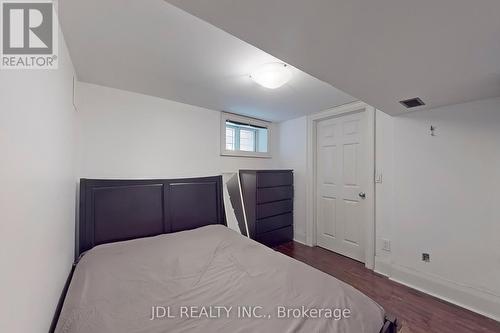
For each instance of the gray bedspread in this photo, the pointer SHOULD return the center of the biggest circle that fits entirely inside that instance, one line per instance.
(209, 279)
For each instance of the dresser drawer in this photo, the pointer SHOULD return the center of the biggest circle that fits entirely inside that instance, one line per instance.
(273, 223)
(274, 208)
(271, 179)
(276, 237)
(269, 194)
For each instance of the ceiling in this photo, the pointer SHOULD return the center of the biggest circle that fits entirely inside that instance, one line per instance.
(443, 51)
(154, 48)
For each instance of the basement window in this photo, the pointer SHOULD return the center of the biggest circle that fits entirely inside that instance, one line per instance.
(243, 136)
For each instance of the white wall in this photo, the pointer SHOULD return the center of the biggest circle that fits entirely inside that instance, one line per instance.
(446, 203)
(130, 135)
(37, 192)
(293, 155)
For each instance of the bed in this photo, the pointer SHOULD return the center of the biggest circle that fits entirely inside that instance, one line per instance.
(156, 256)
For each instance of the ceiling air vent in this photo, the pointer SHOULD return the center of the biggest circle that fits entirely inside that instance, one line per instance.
(412, 102)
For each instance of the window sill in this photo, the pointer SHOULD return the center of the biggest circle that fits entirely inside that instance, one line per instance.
(245, 154)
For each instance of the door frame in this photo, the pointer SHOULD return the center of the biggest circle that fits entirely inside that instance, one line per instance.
(312, 122)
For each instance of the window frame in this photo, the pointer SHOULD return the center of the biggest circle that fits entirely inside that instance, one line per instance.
(234, 143)
(237, 138)
(246, 120)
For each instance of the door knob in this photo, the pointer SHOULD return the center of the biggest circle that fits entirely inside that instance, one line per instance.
(362, 195)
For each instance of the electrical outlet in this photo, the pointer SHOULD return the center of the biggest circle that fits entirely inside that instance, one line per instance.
(426, 257)
(386, 245)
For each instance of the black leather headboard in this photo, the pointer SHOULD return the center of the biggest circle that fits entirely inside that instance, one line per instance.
(117, 210)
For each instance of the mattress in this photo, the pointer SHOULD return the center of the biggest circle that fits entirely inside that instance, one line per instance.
(210, 279)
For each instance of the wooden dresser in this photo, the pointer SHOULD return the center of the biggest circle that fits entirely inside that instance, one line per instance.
(268, 204)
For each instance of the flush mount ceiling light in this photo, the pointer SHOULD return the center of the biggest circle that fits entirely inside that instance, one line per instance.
(272, 75)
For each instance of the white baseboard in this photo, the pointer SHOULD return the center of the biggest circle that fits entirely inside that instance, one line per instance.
(473, 299)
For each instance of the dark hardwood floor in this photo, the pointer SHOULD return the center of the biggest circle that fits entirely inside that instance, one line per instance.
(418, 312)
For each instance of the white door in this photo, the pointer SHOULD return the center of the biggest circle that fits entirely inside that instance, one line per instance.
(341, 177)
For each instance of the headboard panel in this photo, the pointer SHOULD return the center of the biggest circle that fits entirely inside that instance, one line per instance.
(117, 210)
